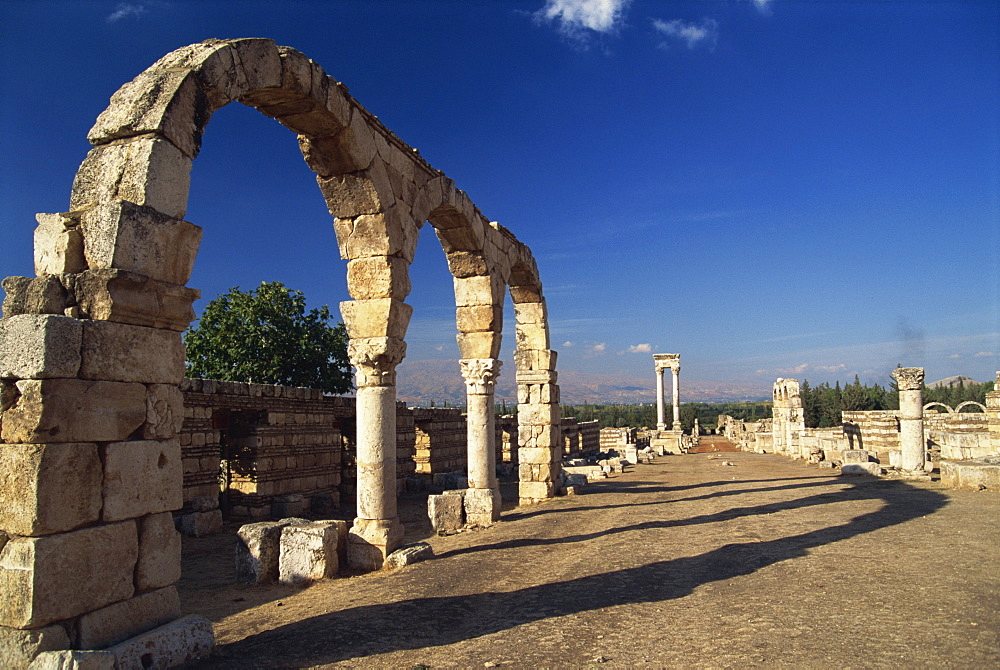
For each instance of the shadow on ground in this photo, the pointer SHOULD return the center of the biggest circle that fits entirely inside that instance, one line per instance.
(432, 621)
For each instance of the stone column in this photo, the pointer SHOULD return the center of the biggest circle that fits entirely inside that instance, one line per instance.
(910, 382)
(376, 532)
(676, 370)
(993, 415)
(482, 500)
(539, 425)
(660, 422)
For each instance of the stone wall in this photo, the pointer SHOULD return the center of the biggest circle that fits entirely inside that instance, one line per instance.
(590, 437)
(440, 440)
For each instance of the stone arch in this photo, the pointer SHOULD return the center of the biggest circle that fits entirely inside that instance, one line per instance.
(947, 409)
(971, 403)
(97, 356)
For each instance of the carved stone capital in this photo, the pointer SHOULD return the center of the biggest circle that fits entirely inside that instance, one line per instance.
(480, 374)
(375, 359)
(663, 361)
(909, 379)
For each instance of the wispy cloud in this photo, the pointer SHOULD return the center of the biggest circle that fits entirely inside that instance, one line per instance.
(955, 356)
(644, 348)
(763, 6)
(597, 349)
(568, 344)
(127, 10)
(985, 354)
(575, 17)
(705, 33)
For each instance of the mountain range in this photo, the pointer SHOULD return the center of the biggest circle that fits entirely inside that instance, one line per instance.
(421, 382)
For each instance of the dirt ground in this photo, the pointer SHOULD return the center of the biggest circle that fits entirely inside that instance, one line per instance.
(687, 562)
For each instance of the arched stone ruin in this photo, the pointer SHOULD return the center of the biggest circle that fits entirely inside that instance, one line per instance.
(92, 354)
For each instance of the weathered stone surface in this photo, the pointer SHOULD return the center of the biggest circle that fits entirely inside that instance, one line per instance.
(382, 317)
(479, 318)
(124, 619)
(446, 512)
(74, 410)
(476, 291)
(124, 353)
(41, 578)
(414, 553)
(159, 562)
(531, 335)
(530, 491)
(478, 345)
(128, 297)
(74, 659)
(983, 473)
(58, 245)
(40, 346)
(856, 456)
(34, 295)
(201, 524)
(49, 488)
(378, 277)
(141, 477)
(259, 550)
(482, 507)
(126, 236)
(369, 541)
(18, 647)
(146, 170)
(308, 552)
(184, 640)
(164, 412)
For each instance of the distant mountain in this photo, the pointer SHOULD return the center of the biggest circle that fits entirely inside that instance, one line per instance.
(949, 381)
(421, 382)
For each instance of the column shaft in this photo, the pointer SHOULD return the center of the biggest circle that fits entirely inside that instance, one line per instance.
(677, 398)
(660, 423)
(376, 452)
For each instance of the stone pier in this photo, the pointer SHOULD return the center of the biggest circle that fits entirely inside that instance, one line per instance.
(910, 382)
(482, 499)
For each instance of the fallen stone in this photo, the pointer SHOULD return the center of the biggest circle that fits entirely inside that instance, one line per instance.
(446, 512)
(308, 552)
(178, 642)
(861, 469)
(414, 553)
(73, 659)
(18, 647)
(856, 456)
(259, 550)
(201, 524)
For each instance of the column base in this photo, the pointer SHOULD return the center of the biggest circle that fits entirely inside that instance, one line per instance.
(482, 507)
(369, 541)
(661, 426)
(677, 425)
(912, 475)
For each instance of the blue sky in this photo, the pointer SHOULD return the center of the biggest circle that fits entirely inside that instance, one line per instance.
(781, 188)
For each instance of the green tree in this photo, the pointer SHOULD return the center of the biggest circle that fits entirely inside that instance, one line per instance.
(265, 336)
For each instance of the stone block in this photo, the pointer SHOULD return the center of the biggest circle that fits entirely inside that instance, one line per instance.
(482, 507)
(531, 335)
(174, 644)
(258, 552)
(41, 578)
(856, 456)
(128, 297)
(308, 552)
(159, 561)
(141, 477)
(370, 541)
(18, 647)
(529, 491)
(34, 295)
(74, 659)
(481, 290)
(58, 245)
(146, 170)
(861, 469)
(164, 412)
(74, 410)
(125, 236)
(378, 277)
(531, 312)
(978, 474)
(49, 488)
(292, 504)
(40, 346)
(120, 352)
(464, 264)
(446, 512)
(201, 524)
(120, 621)
(535, 359)
(414, 553)
(478, 345)
(383, 317)
(479, 318)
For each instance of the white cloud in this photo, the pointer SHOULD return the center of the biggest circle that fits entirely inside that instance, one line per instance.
(568, 344)
(763, 6)
(597, 349)
(955, 356)
(575, 17)
(439, 348)
(830, 368)
(693, 34)
(985, 354)
(126, 10)
(644, 348)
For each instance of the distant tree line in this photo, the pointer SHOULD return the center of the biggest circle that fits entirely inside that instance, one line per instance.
(822, 404)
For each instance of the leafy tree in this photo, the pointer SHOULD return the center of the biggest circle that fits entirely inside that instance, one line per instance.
(265, 336)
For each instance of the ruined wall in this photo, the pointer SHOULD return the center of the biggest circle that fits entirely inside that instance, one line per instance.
(616, 438)
(876, 430)
(258, 443)
(570, 437)
(440, 435)
(590, 437)
(507, 439)
(753, 436)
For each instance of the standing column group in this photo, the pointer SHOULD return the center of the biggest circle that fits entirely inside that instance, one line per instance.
(660, 363)
(910, 382)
